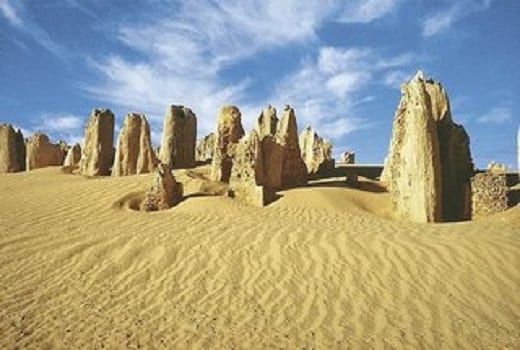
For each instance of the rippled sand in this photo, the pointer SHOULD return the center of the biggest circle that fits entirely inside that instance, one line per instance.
(322, 267)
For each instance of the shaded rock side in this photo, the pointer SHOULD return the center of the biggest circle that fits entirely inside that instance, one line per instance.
(429, 165)
(228, 134)
(489, 194)
(73, 157)
(12, 149)
(179, 137)
(40, 152)
(316, 153)
(294, 170)
(98, 152)
(165, 191)
(134, 153)
(205, 148)
(266, 122)
(347, 157)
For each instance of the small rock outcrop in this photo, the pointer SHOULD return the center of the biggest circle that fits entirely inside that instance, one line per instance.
(205, 148)
(165, 191)
(134, 153)
(316, 153)
(489, 194)
(267, 122)
(428, 167)
(497, 168)
(40, 152)
(294, 171)
(347, 157)
(73, 156)
(179, 138)
(228, 134)
(12, 149)
(98, 152)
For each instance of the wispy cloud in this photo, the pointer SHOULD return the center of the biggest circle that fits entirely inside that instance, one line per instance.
(17, 17)
(497, 115)
(443, 20)
(329, 89)
(182, 59)
(58, 126)
(365, 11)
(10, 13)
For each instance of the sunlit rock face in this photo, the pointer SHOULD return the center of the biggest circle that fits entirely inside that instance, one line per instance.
(134, 152)
(316, 152)
(12, 149)
(40, 152)
(428, 167)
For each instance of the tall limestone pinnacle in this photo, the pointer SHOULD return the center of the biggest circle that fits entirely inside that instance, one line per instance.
(12, 149)
(134, 153)
(428, 167)
(179, 137)
(98, 152)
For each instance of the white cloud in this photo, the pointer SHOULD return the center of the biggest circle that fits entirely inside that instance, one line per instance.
(396, 77)
(444, 19)
(497, 115)
(328, 90)
(9, 12)
(61, 122)
(182, 58)
(365, 11)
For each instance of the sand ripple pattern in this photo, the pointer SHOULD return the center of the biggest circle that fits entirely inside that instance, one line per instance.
(313, 270)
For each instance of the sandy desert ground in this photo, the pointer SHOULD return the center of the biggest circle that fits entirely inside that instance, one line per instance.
(322, 267)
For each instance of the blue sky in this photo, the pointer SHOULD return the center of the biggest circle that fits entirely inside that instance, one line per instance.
(339, 63)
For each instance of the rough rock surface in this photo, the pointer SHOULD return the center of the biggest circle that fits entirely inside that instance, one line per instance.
(73, 156)
(489, 194)
(179, 138)
(248, 174)
(12, 149)
(429, 165)
(134, 153)
(40, 152)
(316, 152)
(347, 157)
(205, 148)
(165, 191)
(229, 132)
(294, 171)
(98, 152)
(266, 122)
(497, 168)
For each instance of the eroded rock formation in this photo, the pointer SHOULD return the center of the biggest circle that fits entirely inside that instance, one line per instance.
(497, 168)
(266, 122)
(134, 153)
(98, 152)
(316, 152)
(247, 180)
(205, 148)
(12, 149)
(489, 194)
(229, 132)
(73, 156)
(294, 171)
(429, 165)
(40, 152)
(347, 157)
(165, 191)
(179, 138)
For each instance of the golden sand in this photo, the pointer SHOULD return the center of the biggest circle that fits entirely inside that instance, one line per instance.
(322, 267)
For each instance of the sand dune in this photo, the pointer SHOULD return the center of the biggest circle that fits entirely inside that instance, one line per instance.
(322, 267)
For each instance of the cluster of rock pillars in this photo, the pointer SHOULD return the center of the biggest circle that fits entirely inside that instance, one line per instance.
(428, 170)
